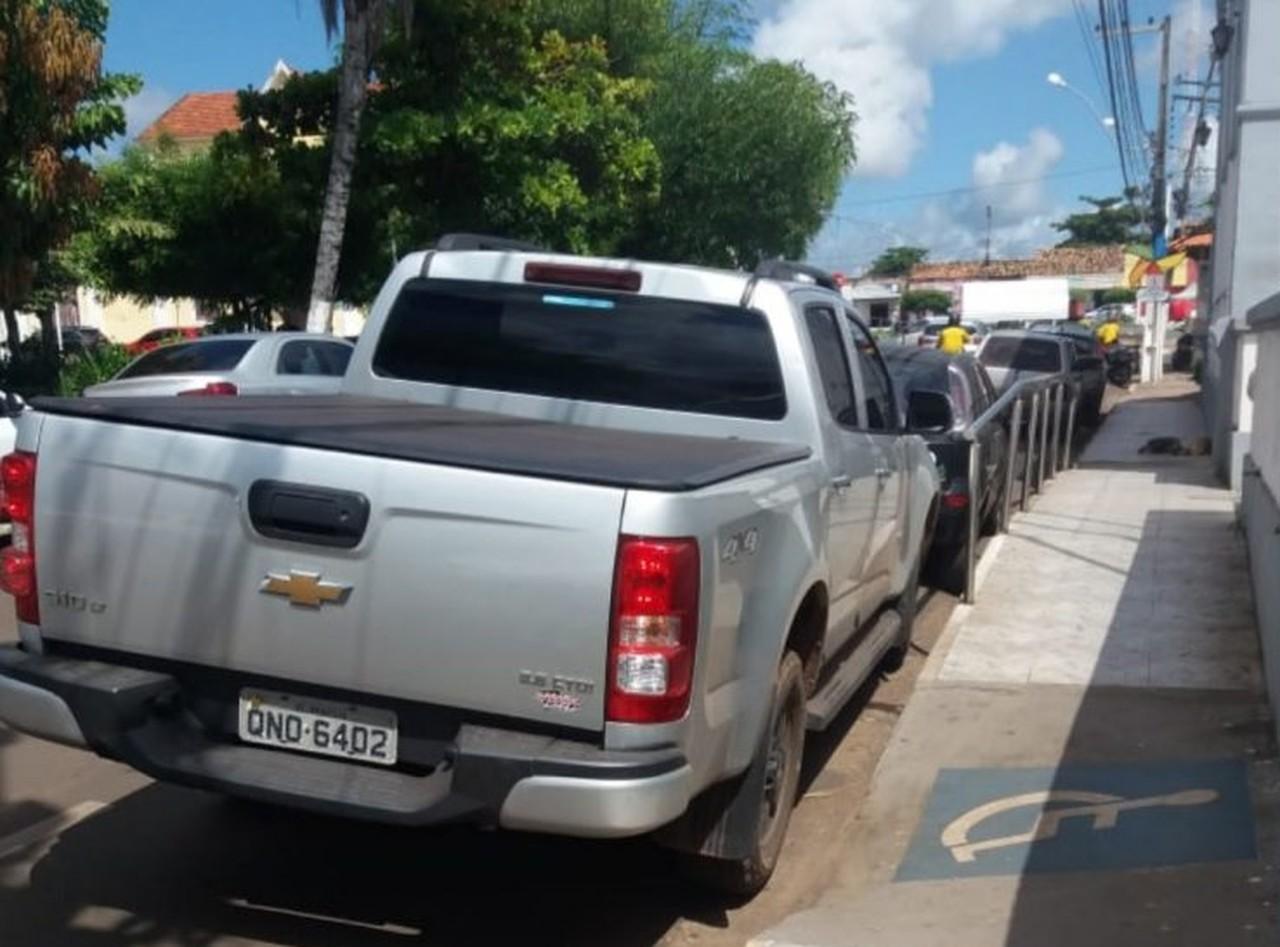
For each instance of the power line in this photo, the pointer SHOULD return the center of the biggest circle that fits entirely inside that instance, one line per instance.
(1107, 33)
(1095, 64)
(1075, 173)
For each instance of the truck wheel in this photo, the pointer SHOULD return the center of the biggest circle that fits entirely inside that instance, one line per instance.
(760, 808)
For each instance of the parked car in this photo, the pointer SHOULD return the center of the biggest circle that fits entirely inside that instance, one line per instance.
(254, 363)
(1088, 363)
(79, 339)
(1010, 356)
(158, 337)
(944, 395)
(582, 547)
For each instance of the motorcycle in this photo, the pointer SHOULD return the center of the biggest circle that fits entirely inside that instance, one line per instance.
(1121, 365)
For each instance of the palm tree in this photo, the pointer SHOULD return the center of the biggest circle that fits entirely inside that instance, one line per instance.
(363, 26)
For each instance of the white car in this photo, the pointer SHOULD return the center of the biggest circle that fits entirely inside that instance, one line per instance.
(251, 363)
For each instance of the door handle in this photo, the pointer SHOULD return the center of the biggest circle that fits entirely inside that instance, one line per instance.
(842, 482)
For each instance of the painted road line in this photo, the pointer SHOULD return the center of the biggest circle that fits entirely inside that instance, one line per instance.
(384, 928)
(984, 822)
(48, 828)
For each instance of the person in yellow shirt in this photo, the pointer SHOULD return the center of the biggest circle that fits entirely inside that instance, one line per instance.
(1109, 332)
(953, 338)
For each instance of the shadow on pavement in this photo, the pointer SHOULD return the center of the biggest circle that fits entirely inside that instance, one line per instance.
(1173, 727)
(172, 866)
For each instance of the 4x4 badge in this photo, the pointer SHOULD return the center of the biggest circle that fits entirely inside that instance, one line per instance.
(304, 588)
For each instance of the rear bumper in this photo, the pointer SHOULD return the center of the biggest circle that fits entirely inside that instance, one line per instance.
(487, 775)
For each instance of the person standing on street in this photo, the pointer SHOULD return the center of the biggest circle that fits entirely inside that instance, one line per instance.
(1109, 332)
(953, 338)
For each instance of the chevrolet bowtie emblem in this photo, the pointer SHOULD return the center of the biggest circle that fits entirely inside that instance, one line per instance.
(304, 588)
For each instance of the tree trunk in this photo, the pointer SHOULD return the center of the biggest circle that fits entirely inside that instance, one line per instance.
(361, 20)
(11, 332)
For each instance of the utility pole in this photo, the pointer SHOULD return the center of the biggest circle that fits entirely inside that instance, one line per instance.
(986, 258)
(1159, 188)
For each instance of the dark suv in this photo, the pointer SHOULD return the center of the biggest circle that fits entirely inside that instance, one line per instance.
(944, 394)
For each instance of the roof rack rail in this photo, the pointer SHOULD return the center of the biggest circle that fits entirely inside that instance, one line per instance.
(480, 241)
(791, 272)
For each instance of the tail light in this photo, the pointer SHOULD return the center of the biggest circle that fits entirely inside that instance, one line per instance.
(18, 561)
(654, 630)
(586, 277)
(213, 388)
(955, 501)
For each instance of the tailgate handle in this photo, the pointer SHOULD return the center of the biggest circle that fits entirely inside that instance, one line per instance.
(305, 514)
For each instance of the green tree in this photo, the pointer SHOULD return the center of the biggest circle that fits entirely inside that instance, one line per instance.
(219, 226)
(56, 104)
(1112, 220)
(927, 300)
(752, 153)
(898, 261)
(1117, 294)
(533, 135)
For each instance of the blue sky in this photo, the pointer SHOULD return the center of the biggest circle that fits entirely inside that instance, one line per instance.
(951, 93)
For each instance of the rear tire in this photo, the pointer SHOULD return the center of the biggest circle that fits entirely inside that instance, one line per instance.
(764, 796)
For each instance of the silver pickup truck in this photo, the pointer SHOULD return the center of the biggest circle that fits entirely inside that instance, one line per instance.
(583, 547)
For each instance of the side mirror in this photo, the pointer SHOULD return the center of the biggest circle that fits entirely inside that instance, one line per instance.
(928, 411)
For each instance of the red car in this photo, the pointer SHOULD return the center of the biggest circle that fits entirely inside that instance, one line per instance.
(158, 337)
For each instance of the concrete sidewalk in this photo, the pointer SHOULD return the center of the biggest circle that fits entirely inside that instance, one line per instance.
(1087, 758)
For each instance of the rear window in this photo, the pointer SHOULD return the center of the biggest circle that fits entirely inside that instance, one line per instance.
(313, 357)
(220, 355)
(627, 350)
(917, 369)
(1022, 353)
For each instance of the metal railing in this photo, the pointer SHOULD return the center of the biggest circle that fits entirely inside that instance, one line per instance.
(1045, 396)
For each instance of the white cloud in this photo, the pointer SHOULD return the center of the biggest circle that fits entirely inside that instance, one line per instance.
(881, 51)
(1009, 177)
(1188, 43)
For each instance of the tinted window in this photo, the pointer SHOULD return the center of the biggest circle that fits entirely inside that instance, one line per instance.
(917, 369)
(221, 355)
(1022, 353)
(309, 357)
(875, 380)
(612, 348)
(833, 366)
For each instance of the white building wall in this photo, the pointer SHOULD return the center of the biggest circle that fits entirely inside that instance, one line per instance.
(1264, 380)
(1246, 259)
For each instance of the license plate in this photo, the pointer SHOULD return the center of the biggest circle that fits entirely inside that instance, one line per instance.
(326, 727)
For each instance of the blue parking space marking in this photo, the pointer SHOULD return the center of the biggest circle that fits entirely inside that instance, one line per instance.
(1082, 818)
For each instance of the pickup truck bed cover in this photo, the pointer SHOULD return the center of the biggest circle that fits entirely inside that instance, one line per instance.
(451, 436)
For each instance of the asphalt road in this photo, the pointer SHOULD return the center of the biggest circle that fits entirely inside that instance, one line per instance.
(94, 854)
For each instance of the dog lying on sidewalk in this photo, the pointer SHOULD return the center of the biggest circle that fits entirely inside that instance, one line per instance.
(1176, 446)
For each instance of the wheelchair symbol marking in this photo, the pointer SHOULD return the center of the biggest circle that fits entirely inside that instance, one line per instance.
(1104, 809)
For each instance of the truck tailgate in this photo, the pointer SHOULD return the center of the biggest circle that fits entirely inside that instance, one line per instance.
(462, 580)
